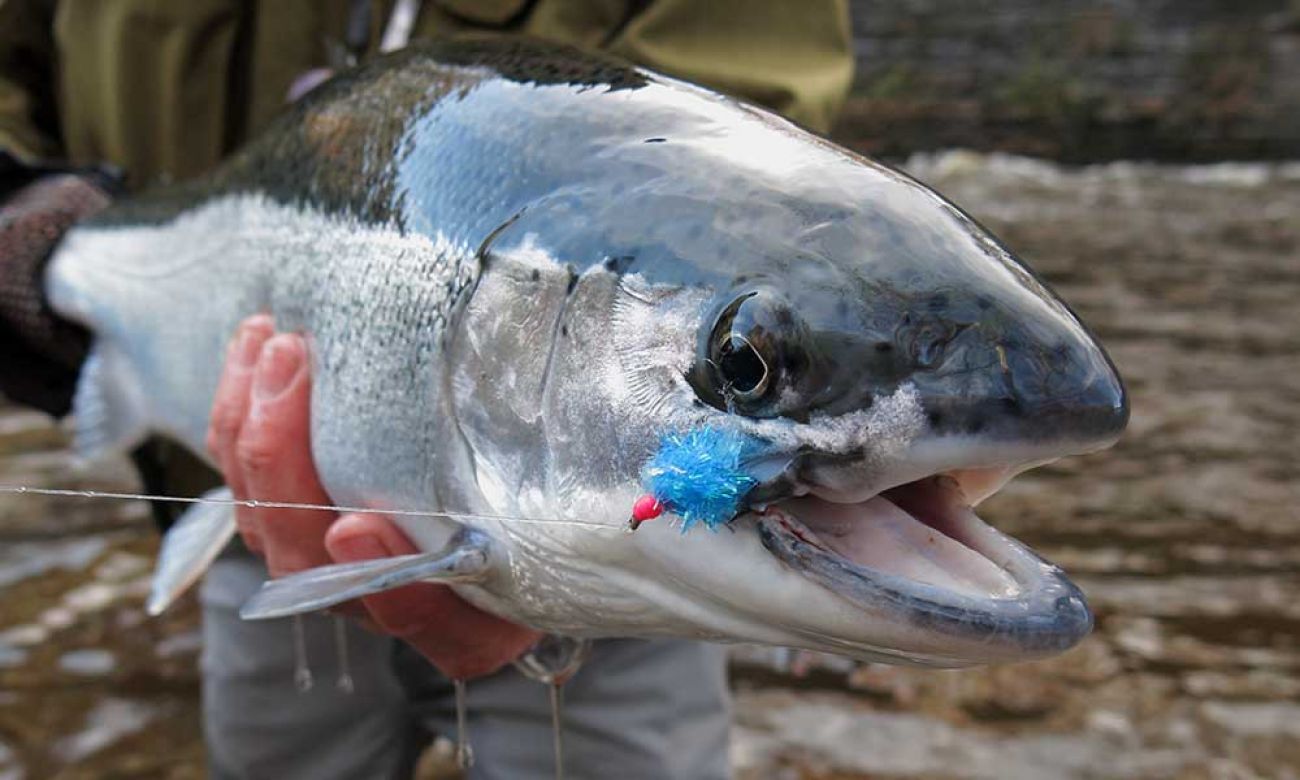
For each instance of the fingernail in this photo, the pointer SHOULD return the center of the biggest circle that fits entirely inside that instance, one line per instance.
(280, 362)
(247, 347)
(362, 548)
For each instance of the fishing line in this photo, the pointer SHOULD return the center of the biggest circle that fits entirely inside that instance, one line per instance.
(253, 503)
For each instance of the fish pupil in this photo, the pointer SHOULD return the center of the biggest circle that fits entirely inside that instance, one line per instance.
(741, 366)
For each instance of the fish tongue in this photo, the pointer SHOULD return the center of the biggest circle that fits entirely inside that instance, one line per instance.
(878, 535)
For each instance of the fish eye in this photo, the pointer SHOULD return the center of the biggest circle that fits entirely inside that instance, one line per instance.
(741, 357)
(741, 366)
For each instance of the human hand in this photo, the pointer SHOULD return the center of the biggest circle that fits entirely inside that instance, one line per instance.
(260, 435)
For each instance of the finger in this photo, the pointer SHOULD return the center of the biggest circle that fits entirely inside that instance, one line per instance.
(274, 456)
(356, 611)
(459, 638)
(230, 407)
(462, 640)
(365, 536)
(230, 402)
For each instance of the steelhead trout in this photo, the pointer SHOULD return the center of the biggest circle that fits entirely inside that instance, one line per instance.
(523, 269)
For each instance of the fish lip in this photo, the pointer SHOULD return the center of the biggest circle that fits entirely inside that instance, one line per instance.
(1048, 615)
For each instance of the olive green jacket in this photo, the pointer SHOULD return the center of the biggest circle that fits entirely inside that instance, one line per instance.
(163, 89)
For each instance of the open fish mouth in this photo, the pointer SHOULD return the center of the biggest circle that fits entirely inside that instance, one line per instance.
(919, 553)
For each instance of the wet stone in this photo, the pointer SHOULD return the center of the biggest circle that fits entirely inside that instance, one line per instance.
(90, 663)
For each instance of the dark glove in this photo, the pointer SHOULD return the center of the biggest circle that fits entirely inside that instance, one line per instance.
(40, 354)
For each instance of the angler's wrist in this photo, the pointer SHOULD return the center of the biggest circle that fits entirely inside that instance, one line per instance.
(41, 353)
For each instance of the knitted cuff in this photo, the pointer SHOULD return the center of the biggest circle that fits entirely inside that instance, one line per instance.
(40, 354)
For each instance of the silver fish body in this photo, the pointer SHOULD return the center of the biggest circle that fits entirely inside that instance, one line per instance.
(521, 267)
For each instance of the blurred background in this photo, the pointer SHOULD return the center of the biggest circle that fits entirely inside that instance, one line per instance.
(1144, 156)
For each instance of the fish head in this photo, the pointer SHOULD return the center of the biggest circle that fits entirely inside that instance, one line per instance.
(886, 363)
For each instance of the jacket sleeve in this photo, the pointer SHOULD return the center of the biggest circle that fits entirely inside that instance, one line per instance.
(28, 110)
(40, 354)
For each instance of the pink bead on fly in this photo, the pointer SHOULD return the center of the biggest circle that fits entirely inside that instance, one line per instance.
(647, 507)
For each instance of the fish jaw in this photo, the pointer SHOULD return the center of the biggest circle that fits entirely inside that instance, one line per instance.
(920, 557)
(910, 575)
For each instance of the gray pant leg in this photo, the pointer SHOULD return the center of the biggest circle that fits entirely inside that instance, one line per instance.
(637, 709)
(256, 723)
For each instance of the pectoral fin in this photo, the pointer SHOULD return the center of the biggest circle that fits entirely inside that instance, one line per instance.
(189, 547)
(108, 405)
(464, 559)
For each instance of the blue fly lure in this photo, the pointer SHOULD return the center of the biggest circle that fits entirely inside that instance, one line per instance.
(699, 475)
